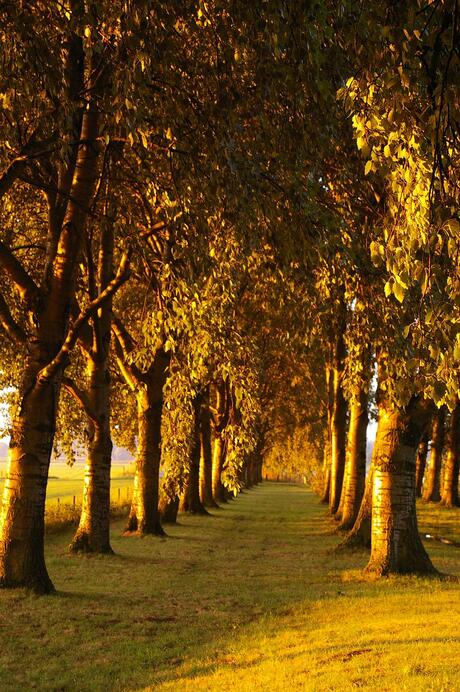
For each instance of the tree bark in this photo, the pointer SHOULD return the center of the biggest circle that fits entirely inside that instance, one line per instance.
(168, 509)
(360, 535)
(93, 533)
(338, 427)
(255, 459)
(252, 469)
(449, 495)
(422, 452)
(218, 455)
(190, 500)
(22, 560)
(327, 445)
(396, 546)
(144, 516)
(206, 455)
(259, 470)
(432, 485)
(219, 421)
(144, 512)
(354, 482)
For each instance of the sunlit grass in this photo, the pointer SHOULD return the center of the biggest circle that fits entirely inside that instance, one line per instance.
(251, 598)
(65, 490)
(65, 485)
(439, 521)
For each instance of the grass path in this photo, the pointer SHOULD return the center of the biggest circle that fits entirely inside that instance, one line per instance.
(250, 598)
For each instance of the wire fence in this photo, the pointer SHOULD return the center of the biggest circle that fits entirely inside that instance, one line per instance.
(120, 495)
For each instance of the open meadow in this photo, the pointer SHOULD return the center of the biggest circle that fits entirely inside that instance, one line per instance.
(66, 483)
(251, 598)
(65, 491)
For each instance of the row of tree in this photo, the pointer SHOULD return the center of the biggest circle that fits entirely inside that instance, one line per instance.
(216, 218)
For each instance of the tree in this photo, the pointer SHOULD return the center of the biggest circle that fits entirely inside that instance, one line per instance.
(66, 99)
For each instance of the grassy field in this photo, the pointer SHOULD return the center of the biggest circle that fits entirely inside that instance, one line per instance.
(66, 482)
(250, 598)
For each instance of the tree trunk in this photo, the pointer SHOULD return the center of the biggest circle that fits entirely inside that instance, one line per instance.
(420, 465)
(143, 516)
(259, 469)
(219, 421)
(449, 495)
(355, 479)
(218, 456)
(242, 476)
(256, 469)
(432, 485)
(190, 500)
(327, 445)
(93, 533)
(256, 458)
(247, 472)
(22, 561)
(338, 427)
(254, 464)
(360, 534)
(168, 509)
(396, 544)
(206, 456)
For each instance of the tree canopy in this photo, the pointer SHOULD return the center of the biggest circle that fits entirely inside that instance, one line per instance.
(223, 226)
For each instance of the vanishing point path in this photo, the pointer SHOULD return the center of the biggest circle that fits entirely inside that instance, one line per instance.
(250, 598)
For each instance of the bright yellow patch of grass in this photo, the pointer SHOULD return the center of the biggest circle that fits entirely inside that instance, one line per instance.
(250, 598)
(65, 489)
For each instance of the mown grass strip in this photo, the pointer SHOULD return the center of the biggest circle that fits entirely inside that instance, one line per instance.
(250, 598)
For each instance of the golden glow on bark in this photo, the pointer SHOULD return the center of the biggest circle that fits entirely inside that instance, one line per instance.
(396, 544)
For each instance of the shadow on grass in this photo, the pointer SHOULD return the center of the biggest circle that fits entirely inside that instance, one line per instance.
(185, 599)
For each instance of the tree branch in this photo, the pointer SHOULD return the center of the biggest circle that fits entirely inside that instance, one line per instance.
(124, 344)
(123, 336)
(61, 359)
(18, 165)
(8, 324)
(13, 172)
(81, 398)
(23, 282)
(127, 371)
(85, 336)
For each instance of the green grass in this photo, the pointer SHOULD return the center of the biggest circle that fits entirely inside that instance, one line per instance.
(65, 489)
(438, 521)
(66, 482)
(250, 598)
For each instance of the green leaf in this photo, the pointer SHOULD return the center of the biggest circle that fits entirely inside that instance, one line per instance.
(388, 288)
(457, 349)
(368, 167)
(399, 291)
